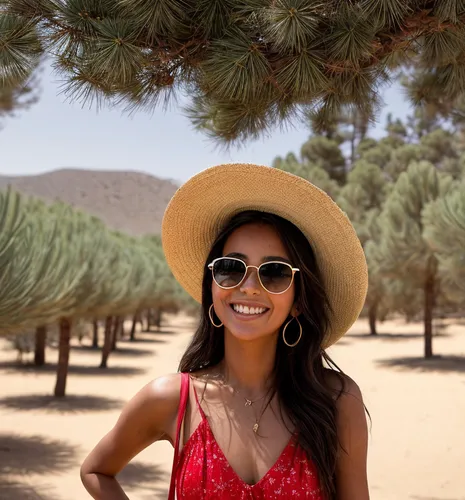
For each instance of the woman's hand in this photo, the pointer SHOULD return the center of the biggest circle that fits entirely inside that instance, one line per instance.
(150, 416)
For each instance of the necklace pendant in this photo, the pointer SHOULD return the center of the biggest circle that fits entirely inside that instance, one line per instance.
(248, 402)
(255, 427)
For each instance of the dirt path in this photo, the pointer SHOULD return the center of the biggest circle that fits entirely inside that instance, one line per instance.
(417, 445)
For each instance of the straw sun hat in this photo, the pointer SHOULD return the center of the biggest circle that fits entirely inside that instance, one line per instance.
(205, 203)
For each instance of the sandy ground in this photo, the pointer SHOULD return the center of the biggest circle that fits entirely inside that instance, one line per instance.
(417, 443)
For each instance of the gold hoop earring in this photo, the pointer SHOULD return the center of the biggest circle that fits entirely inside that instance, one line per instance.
(211, 318)
(300, 332)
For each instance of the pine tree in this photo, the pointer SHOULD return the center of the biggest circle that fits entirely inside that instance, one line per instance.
(349, 125)
(444, 222)
(312, 172)
(248, 64)
(381, 152)
(326, 154)
(362, 199)
(401, 159)
(366, 189)
(60, 266)
(433, 105)
(402, 252)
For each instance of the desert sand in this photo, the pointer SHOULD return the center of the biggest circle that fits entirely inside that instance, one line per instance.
(417, 407)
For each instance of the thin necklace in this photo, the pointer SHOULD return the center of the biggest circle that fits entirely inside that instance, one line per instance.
(248, 401)
(251, 402)
(256, 425)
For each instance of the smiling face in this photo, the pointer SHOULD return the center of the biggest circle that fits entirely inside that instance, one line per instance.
(254, 244)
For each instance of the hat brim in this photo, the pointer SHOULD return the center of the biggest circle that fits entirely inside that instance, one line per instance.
(205, 203)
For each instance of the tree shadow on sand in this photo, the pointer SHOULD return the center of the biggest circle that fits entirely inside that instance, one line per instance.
(439, 364)
(69, 404)
(23, 455)
(149, 477)
(141, 340)
(392, 337)
(19, 490)
(84, 370)
(164, 331)
(121, 350)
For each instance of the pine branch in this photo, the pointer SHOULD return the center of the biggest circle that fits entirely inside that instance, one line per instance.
(275, 58)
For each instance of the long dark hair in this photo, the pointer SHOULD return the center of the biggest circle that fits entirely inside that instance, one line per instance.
(299, 374)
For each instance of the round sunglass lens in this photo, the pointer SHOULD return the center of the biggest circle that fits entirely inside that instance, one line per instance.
(228, 273)
(276, 277)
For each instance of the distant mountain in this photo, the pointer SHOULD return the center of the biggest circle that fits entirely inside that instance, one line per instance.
(132, 202)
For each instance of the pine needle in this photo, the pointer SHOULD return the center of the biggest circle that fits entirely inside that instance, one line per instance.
(449, 10)
(20, 49)
(451, 79)
(302, 78)
(117, 57)
(152, 88)
(159, 18)
(228, 123)
(386, 13)
(87, 88)
(442, 47)
(32, 10)
(236, 69)
(214, 16)
(351, 37)
(292, 24)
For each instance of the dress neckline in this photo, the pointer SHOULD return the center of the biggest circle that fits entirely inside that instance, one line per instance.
(205, 423)
(220, 452)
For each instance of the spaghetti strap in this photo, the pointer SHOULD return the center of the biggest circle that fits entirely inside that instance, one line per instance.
(183, 401)
(202, 413)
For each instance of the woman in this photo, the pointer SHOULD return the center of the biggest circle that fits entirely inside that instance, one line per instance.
(263, 413)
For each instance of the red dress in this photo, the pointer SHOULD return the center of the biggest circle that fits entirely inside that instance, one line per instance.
(203, 473)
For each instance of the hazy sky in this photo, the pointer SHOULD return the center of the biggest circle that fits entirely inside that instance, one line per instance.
(57, 134)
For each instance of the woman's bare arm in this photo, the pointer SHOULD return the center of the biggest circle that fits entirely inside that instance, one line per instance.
(150, 416)
(351, 471)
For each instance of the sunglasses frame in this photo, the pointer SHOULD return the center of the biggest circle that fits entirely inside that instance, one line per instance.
(293, 269)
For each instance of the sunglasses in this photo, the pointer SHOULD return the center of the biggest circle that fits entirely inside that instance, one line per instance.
(275, 277)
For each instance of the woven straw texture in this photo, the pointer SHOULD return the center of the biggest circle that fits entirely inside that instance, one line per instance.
(205, 203)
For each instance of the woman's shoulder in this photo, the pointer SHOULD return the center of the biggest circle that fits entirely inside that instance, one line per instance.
(341, 385)
(164, 389)
(155, 406)
(167, 387)
(161, 395)
(351, 409)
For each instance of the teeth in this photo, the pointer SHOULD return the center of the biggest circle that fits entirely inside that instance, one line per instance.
(248, 310)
